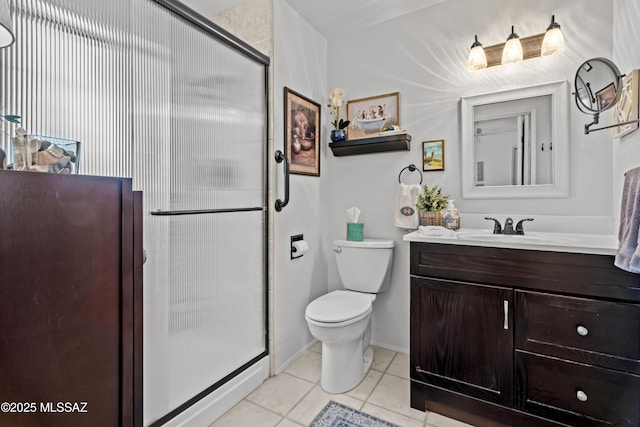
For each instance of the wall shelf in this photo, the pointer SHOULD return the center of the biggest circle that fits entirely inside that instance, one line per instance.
(378, 144)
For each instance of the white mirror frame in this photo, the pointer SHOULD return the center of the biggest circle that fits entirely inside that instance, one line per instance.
(559, 92)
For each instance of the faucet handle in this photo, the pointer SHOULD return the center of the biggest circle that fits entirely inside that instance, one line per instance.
(519, 228)
(497, 228)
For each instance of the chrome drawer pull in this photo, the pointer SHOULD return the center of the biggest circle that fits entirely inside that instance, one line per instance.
(337, 249)
(581, 395)
(582, 331)
(506, 315)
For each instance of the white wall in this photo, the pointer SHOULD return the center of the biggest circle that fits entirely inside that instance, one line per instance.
(299, 63)
(626, 55)
(422, 56)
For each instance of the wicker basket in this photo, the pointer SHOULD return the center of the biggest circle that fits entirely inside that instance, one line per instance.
(430, 218)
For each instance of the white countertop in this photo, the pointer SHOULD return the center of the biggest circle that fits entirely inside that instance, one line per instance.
(539, 241)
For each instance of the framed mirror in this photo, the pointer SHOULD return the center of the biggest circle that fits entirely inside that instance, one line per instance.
(515, 144)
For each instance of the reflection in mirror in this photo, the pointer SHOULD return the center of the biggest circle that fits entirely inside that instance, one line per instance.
(512, 142)
(515, 144)
(597, 85)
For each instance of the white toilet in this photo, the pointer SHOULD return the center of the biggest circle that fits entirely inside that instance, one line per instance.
(342, 319)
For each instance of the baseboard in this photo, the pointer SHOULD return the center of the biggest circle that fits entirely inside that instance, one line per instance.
(390, 347)
(295, 357)
(212, 407)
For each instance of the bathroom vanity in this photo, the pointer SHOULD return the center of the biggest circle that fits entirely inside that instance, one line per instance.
(540, 335)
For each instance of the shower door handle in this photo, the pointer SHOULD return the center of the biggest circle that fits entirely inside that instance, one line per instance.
(279, 159)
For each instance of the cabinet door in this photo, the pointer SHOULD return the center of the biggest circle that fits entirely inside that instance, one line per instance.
(66, 307)
(461, 338)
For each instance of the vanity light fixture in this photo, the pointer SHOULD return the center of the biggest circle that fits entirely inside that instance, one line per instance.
(477, 58)
(6, 33)
(512, 51)
(553, 39)
(516, 49)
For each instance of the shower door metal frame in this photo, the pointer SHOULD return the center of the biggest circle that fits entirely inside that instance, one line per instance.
(243, 48)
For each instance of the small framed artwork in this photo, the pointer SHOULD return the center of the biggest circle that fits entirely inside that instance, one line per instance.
(433, 155)
(626, 109)
(605, 96)
(302, 133)
(370, 116)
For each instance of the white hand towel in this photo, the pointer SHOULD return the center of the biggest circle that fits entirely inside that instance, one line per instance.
(406, 213)
(628, 256)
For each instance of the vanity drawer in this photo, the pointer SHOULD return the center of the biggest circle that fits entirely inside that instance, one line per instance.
(596, 332)
(575, 393)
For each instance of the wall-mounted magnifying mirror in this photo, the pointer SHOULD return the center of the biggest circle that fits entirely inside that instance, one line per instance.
(598, 86)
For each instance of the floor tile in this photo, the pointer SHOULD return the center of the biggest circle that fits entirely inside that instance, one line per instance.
(317, 347)
(288, 423)
(399, 366)
(392, 417)
(393, 393)
(247, 414)
(280, 393)
(382, 358)
(307, 367)
(437, 420)
(312, 404)
(364, 389)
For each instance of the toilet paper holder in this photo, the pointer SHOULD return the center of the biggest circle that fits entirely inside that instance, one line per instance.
(295, 253)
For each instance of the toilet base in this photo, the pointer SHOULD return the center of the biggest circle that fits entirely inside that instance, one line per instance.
(344, 366)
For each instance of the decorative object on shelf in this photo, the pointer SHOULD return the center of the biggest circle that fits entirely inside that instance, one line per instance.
(433, 155)
(516, 49)
(39, 153)
(338, 135)
(599, 86)
(302, 133)
(6, 33)
(627, 108)
(431, 202)
(336, 99)
(369, 116)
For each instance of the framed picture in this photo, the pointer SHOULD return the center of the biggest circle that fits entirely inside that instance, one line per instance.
(626, 109)
(302, 133)
(369, 116)
(605, 96)
(433, 155)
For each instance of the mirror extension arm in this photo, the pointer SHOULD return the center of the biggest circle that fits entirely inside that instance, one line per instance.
(596, 119)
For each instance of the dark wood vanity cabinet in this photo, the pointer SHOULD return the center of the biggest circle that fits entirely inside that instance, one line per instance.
(510, 337)
(70, 300)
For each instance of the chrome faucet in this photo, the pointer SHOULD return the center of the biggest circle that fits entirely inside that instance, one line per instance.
(508, 226)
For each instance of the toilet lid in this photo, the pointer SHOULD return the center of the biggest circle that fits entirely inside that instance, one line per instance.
(338, 306)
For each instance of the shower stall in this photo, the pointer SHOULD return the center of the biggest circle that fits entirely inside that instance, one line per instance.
(155, 92)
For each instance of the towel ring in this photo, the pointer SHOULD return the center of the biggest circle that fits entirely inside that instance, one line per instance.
(411, 168)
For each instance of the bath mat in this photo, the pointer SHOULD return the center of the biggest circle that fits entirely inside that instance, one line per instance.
(337, 415)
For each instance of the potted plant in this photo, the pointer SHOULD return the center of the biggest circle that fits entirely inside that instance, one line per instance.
(431, 202)
(336, 99)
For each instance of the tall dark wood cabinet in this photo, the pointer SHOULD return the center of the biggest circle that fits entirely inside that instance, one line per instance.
(510, 337)
(70, 300)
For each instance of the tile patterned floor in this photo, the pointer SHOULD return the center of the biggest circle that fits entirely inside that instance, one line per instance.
(294, 397)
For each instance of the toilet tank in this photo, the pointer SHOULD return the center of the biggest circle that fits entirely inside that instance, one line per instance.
(364, 266)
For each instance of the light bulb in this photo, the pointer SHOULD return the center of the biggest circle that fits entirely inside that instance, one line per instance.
(553, 39)
(512, 51)
(477, 58)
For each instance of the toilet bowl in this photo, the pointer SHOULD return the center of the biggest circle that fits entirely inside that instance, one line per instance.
(341, 319)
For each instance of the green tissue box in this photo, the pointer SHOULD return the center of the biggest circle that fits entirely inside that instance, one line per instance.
(355, 231)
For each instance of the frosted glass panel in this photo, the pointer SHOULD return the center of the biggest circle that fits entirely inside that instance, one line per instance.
(216, 299)
(151, 96)
(67, 76)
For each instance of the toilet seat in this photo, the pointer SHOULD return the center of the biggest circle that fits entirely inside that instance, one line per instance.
(339, 308)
